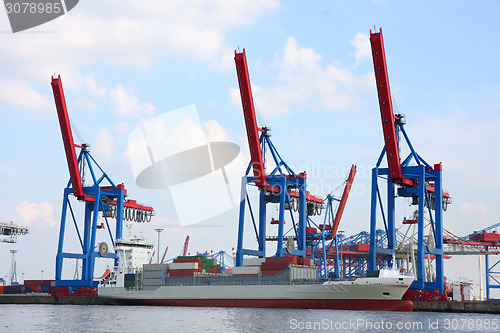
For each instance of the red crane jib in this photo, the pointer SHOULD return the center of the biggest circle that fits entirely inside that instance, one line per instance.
(343, 200)
(67, 136)
(185, 248)
(386, 112)
(250, 119)
(69, 149)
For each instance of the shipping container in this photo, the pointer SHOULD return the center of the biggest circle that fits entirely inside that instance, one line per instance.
(292, 260)
(60, 291)
(34, 289)
(182, 272)
(129, 283)
(155, 267)
(129, 277)
(273, 266)
(184, 265)
(153, 275)
(13, 289)
(245, 270)
(199, 260)
(303, 272)
(153, 282)
(38, 282)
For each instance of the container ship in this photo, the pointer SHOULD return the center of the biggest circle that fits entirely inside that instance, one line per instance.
(272, 282)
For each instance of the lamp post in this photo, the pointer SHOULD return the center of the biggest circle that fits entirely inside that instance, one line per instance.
(158, 230)
(341, 236)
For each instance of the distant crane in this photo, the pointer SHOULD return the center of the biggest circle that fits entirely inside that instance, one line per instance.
(329, 231)
(12, 230)
(103, 196)
(13, 273)
(164, 255)
(185, 247)
(420, 182)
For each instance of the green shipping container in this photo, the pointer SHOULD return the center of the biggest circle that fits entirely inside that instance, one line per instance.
(129, 283)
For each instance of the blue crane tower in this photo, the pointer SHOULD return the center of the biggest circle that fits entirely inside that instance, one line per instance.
(101, 196)
(412, 178)
(280, 186)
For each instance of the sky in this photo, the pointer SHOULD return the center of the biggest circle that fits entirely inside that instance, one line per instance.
(123, 63)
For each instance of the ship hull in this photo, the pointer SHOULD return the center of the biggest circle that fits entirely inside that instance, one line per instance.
(333, 304)
(361, 294)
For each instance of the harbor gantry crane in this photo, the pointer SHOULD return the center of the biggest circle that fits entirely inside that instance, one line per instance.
(280, 186)
(11, 230)
(412, 178)
(326, 252)
(101, 196)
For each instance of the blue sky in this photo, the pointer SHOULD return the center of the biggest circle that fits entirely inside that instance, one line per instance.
(123, 63)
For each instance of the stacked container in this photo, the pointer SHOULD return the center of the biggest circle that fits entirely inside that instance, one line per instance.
(153, 275)
(129, 280)
(275, 265)
(188, 265)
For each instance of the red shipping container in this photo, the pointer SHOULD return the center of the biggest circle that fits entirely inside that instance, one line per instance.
(32, 282)
(60, 291)
(38, 282)
(292, 260)
(199, 260)
(182, 272)
(271, 266)
(35, 288)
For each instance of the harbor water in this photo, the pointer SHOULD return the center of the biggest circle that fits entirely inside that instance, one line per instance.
(97, 318)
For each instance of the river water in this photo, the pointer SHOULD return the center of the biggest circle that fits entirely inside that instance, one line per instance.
(144, 319)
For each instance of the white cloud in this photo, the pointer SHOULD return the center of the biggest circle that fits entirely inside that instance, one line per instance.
(127, 104)
(303, 79)
(39, 214)
(120, 31)
(462, 141)
(215, 132)
(479, 209)
(75, 81)
(362, 44)
(84, 104)
(105, 145)
(22, 95)
(300, 58)
(121, 127)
